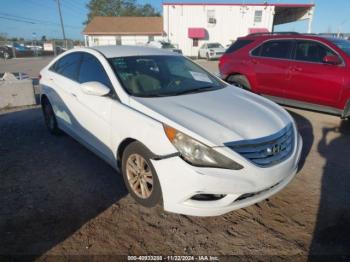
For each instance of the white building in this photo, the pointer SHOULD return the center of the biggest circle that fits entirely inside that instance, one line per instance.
(123, 30)
(189, 25)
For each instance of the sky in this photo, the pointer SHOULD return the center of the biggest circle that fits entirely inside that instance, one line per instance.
(34, 18)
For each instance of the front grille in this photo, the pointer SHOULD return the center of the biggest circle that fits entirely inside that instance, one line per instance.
(267, 151)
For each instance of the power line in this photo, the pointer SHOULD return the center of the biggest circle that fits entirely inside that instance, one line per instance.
(16, 20)
(72, 8)
(33, 20)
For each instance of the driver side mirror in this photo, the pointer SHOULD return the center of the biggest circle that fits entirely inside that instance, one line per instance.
(332, 60)
(94, 88)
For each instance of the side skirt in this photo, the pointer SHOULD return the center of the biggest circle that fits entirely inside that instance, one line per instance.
(306, 105)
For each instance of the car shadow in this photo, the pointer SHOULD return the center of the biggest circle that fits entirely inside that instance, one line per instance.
(50, 186)
(306, 131)
(332, 232)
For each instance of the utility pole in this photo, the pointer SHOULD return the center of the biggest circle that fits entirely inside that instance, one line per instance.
(61, 19)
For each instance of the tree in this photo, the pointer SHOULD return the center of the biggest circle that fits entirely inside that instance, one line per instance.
(119, 8)
(43, 38)
(3, 36)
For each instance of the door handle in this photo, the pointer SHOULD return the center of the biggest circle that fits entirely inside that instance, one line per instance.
(255, 62)
(73, 95)
(296, 69)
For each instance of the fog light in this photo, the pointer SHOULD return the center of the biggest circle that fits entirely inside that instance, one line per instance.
(207, 197)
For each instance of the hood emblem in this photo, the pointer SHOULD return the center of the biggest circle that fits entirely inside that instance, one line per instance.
(275, 149)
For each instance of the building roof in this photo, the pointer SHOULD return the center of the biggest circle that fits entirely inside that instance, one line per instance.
(128, 50)
(126, 25)
(236, 4)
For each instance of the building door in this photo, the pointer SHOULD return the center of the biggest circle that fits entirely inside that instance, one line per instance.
(118, 40)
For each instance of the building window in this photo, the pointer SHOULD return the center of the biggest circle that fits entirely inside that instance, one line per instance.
(195, 41)
(258, 16)
(211, 17)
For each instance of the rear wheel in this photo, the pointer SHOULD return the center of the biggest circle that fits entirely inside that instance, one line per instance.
(50, 118)
(240, 81)
(140, 176)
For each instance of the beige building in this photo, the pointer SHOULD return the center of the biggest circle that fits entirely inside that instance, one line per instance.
(123, 30)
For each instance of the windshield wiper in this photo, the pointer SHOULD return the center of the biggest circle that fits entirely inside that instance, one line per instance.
(196, 90)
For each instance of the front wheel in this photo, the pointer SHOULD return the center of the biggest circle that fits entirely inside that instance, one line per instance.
(140, 176)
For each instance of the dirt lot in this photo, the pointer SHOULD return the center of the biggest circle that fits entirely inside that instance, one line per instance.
(58, 198)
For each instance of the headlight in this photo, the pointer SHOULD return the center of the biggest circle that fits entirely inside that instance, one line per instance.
(196, 153)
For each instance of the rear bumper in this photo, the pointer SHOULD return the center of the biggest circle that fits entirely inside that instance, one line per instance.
(181, 181)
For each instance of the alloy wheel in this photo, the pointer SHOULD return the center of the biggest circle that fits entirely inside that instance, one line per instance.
(139, 176)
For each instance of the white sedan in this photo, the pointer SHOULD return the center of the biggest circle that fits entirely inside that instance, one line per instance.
(211, 51)
(179, 135)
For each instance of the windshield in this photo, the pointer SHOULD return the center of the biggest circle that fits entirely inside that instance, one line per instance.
(167, 45)
(215, 45)
(154, 76)
(343, 45)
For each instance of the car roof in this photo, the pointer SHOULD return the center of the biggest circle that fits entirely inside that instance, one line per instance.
(267, 36)
(127, 50)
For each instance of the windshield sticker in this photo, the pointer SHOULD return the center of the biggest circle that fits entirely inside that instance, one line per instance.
(200, 77)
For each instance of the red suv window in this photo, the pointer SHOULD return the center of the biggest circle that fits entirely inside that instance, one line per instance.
(311, 51)
(238, 45)
(275, 49)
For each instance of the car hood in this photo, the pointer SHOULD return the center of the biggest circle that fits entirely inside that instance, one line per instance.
(216, 117)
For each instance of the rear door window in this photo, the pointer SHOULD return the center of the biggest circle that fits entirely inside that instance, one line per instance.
(68, 66)
(281, 49)
(311, 51)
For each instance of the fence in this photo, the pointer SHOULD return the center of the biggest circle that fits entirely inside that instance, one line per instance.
(16, 49)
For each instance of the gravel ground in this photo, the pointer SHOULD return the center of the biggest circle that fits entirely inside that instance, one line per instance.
(58, 198)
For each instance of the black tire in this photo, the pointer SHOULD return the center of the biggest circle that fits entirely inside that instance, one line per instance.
(155, 197)
(240, 81)
(198, 56)
(50, 118)
(208, 58)
(6, 55)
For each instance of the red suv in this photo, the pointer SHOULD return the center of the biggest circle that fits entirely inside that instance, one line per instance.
(293, 69)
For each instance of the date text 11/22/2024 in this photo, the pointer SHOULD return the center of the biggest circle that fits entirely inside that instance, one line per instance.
(173, 258)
